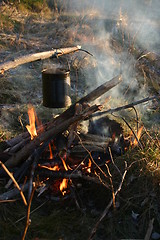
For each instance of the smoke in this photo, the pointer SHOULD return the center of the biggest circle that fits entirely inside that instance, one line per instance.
(118, 27)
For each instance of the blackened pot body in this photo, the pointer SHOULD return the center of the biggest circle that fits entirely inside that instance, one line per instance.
(56, 88)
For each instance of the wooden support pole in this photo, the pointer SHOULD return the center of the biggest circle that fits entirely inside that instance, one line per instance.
(35, 57)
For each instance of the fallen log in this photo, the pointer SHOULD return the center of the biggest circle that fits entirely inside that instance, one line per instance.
(25, 152)
(35, 57)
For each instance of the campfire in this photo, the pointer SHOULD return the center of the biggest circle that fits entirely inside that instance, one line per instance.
(59, 151)
(56, 153)
(52, 159)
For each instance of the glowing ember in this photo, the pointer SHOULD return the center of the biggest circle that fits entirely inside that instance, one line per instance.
(32, 118)
(50, 150)
(63, 185)
(89, 166)
(55, 168)
(64, 164)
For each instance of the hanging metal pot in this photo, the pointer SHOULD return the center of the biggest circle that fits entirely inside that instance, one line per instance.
(56, 88)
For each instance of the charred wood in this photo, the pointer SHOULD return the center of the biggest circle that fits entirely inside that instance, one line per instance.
(13, 193)
(27, 150)
(68, 113)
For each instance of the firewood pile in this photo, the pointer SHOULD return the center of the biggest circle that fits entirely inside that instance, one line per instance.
(54, 154)
(73, 154)
(27, 153)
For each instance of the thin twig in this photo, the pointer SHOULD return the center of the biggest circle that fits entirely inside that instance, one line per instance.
(15, 182)
(149, 230)
(110, 152)
(83, 50)
(112, 187)
(139, 143)
(109, 204)
(32, 211)
(137, 121)
(5, 201)
(28, 212)
(130, 105)
(91, 157)
(78, 166)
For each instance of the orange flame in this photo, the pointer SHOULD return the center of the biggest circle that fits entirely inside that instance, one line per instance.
(135, 142)
(64, 164)
(32, 118)
(63, 185)
(89, 166)
(55, 168)
(50, 151)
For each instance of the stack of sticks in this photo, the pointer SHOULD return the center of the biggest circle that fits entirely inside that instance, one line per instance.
(22, 153)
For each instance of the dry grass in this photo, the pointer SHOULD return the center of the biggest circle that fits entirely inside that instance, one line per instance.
(24, 33)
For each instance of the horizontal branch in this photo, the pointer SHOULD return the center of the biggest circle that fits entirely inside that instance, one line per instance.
(69, 175)
(130, 105)
(35, 57)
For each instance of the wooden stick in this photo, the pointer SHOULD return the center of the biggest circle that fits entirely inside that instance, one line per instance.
(12, 193)
(99, 91)
(69, 175)
(130, 105)
(71, 110)
(109, 204)
(36, 56)
(28, 212)
(15, 182)
(149, 230)
(27, 150)
(91, 146)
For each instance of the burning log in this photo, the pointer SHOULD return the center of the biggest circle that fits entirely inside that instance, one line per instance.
(35, 57)
(20, 140)
(25, 152)
(22, 148)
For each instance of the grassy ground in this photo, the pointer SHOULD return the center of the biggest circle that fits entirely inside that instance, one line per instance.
(24, 31)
